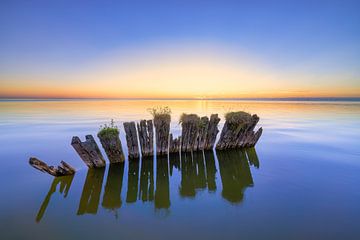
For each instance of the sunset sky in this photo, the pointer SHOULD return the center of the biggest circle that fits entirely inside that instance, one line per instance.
(182, 49)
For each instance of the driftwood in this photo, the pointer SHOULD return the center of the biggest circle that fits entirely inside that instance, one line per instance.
(174, 144)
(62, 170)
(112, 146)
(131, 139)
(162, 131)
(146, 137)
(238, 131)
(88, 151)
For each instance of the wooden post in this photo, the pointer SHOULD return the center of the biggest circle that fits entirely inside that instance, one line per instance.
(146, 137)
(62, 170)
(238, 131)
(174, 144)
(202, 133)
(112, 146)
(190, 130)
(162, 131)
(131, 140)
(212, 132)
(88, 151)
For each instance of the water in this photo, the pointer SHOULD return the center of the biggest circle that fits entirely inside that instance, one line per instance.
(300, 182)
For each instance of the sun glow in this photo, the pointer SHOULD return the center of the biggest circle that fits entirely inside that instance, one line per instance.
(170, 72)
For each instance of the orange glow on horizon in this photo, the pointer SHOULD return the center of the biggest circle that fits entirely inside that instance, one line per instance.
(166, 73)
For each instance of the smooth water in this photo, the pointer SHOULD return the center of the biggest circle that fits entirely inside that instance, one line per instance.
(300, 182)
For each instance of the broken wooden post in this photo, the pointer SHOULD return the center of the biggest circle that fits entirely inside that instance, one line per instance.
(190, 129)
(88, 151)
(62, 170)
(212, 132)
(174, 144)
(202, 133)
(146, 137)
(131, 139)
(238, 131)
(162, 131)
(110, 141)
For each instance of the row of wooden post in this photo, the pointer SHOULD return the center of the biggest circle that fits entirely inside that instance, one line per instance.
(197, 134)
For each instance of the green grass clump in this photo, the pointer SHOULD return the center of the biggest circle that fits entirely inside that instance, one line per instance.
(108, 130)
(160, 113)
(237, 119)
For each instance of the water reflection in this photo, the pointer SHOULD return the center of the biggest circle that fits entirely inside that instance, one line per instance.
(65, 183)
(235, 174)
(197, 172)
(113, 187)
(133, 181)
(146, 191)
(90, 196)
(162, 192)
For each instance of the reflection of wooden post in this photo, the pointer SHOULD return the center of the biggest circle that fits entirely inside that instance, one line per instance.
(88, 151)
(131, 139)
(146, 192)
(235, 174)
(113, 186)
(162, 192)
(252, 156)
(133, 181)
(65, 183)
(162, 131)
(210, 170)
(112, 146)
(146, 137)
(90, 196)
(187, 185)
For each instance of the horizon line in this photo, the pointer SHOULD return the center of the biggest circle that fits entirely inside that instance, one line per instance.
(222, 99)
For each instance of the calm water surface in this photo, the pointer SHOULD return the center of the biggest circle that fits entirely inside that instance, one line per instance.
(300, 182)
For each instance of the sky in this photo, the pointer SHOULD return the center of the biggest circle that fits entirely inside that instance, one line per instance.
(179, 49)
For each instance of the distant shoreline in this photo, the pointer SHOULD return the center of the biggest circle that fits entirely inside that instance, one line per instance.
(302, 99)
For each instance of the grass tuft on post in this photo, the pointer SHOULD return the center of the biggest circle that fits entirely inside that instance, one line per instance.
(108, 130)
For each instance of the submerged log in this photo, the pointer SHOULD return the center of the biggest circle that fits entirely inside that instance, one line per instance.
(162, 131)
(88, 151)
(62, 170)
(212, 132)
(238, 131)
(111, 143)
(131, 140)
(174, 144)
(146, 137)
(190, 130)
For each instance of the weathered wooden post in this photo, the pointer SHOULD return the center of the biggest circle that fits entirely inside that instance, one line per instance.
(238, 131)
(110, 141)
(88, 151)
(174, 144)
(190, 130)
(62, 170)
(131, 140)
(162, 131)
(146, 137)
(202, 133)
(212, 132)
